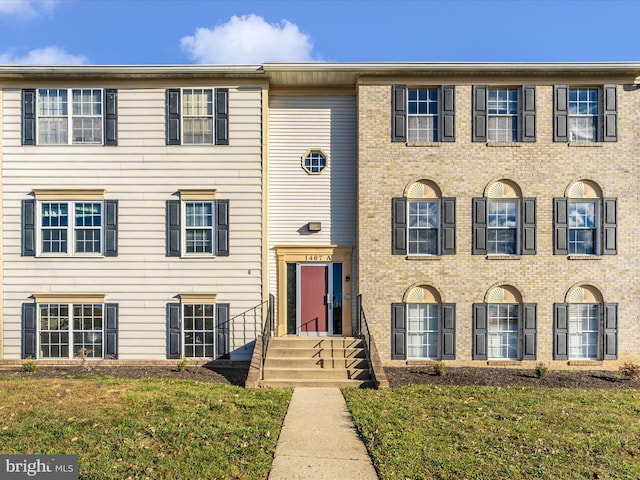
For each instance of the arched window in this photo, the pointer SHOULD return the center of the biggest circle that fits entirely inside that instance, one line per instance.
(423, 327)
(504, 328)
(585, 223)
(424, 223)
(585, 328)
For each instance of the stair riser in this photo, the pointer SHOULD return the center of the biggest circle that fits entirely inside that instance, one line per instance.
(315, 363)
(316, 374)
(317, 354)
(315, 342)
(316, 383)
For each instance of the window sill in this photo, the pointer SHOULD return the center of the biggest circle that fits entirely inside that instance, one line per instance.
(421, 363)
(66, 255)
(196, 256)
(585, 363)
(585, 144)
(423, 144)
(503, 363)
(503, 257)
(423, 257)
(504, 144)
(584, 257)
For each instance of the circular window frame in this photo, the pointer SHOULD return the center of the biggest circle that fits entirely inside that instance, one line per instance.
(307, 154)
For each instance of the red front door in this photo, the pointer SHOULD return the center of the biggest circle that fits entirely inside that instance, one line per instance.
(314, 283)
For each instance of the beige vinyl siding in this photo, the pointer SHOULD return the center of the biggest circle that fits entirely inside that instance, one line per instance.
(298, 123)
(142, 173)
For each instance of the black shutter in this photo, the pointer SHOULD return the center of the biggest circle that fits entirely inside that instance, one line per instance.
(398, 113)
(479, 114)
(222, 330)
(560, 331)
(173, 228)
(610, 114)
(479, 226)
(172, 114)
(29, 116)
(28, 228)
(609, 226)
(529, 327)
(448, 331)
(111, 331)
(29, 330)
(222, 116)
(479, 331)
(110, 116)
(111, 228)
(399, 226)
(174, 330)
(222, 228)
(398, 331)
(610, 331)
(448, 222)
(528, 226)
(560, 113)
(528, 113)
(560, 226)
(448, 114)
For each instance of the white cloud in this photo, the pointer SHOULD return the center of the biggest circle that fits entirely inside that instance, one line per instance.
(248, 40)
(43, 56)
(25, 8)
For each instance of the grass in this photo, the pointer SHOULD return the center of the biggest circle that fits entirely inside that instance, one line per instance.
(431, 432)
(151, 429)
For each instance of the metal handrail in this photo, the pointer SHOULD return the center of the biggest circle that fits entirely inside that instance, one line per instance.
(267, 331)
(362, 331)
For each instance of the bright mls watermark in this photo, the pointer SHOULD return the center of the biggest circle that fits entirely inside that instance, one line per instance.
(50, 467)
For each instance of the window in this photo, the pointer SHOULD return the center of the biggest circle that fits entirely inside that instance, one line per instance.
(197, 225)
(423, 327)
(424, 223)
(52, 225)
(423, 114)
(585, 114)
(314, 161)
(197, 116)
(504, 328)
(585, 327)
(502, 227)
(585, 223)
(198, 327)
(503, 331)
(69, 330)
(504, 114)
(504, 223)
(62, 116)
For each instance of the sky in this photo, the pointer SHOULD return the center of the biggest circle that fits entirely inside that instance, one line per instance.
(171, 32)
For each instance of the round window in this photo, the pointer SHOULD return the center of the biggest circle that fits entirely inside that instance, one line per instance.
(315, 161)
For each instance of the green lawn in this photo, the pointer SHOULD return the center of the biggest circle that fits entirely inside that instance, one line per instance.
(430, 432)
(144, 428)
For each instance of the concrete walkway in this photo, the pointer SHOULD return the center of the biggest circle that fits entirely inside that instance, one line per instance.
(319, 441)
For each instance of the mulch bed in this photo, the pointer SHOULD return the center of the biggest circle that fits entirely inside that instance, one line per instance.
(397, 376)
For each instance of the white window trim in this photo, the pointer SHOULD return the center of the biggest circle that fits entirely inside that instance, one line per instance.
(183, 229)
(438, 202)
(70, 331)
(598, 116)
(598, 333)
(436, 116)
(438, 308)
(183, 116)
(505, 115)
(518, 222)
(598, 225)
(71, 229)
(70, 116)
(518, 332)
(194, 301)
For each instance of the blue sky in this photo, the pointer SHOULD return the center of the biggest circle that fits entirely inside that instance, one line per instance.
(197, 31)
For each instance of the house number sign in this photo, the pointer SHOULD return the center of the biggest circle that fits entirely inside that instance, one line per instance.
(317, 258)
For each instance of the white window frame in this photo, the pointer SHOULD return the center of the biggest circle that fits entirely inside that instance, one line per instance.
(184, 117)
(596, 228)
(69, 116)
(431, 307)
(430, 134)
(584, 116)
(576, 334)
(70, 228)
(203, 331)
(503, 110)
(490, 228)
(499, 332)
(211, 228)
(71, 330)
(318, 162)
(438, 228)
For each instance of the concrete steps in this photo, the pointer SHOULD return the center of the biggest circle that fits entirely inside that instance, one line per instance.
(316, 362)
